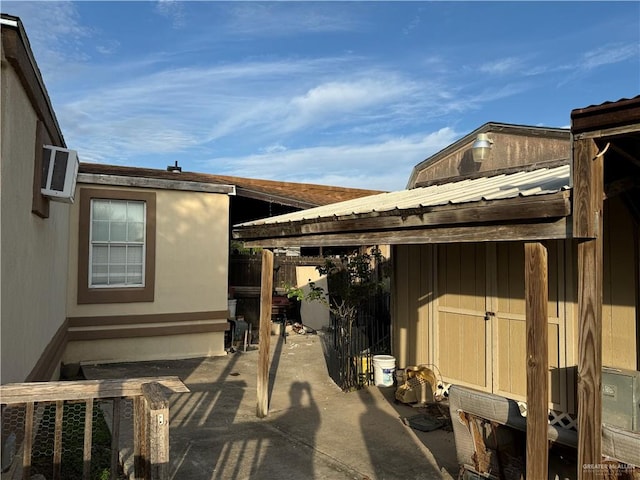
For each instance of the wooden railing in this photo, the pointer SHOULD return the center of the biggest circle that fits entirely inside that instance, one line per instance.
(23, 405)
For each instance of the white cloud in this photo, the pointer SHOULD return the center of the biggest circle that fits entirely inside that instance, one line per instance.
(607, 55)
(287, 18)
(173, 10)
(502, 66)
(382, 165)
(55, 33)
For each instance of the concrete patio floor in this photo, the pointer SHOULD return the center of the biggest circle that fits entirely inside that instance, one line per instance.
(313, 430)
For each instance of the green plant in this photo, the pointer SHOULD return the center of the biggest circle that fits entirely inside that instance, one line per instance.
(352, 279)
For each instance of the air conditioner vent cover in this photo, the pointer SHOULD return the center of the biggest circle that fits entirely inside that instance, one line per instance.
(59, 173)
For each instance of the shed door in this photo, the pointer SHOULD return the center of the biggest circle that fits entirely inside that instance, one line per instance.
(481, 324)
(509, 323)
(463, 355)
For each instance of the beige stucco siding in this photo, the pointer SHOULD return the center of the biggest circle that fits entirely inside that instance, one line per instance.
(191, 264)
(34, 251)
(168, 347)
(191, 257)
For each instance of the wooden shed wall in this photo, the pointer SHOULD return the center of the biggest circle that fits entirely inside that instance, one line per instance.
(411, 303)
(508, 150)
(619, 318)
(442, 292)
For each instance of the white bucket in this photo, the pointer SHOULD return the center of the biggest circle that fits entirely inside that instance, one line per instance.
(232, 308)
(384, 367)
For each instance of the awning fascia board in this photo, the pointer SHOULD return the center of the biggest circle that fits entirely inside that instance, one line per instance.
(519, 209)
(533, 231)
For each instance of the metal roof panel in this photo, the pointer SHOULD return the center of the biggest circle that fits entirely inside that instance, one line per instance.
(501, 186)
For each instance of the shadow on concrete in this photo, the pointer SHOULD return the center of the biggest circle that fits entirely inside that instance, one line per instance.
(275, 362)
(387, 459)
(313, 430)
(439, 443)
(303, 412)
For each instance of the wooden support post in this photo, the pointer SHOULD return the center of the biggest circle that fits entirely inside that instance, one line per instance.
(57, 441)
(115, 439)
(88, 438)
(589, 356)
(266, 293)
(588, 209)
(140, 450)
(157, 418)
(536, 288)
(28, 441)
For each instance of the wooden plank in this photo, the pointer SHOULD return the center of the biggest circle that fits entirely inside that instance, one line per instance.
(555, 229)
(57, 441)
(589, 355)
(155, 183)
(88, 437)
(265, 333)
(157, 430)
(28, 441)
(115, 438)
(140, 452)
(588, 223)
(609, 132)
(537, 304)
(586, 189)
(13, 393)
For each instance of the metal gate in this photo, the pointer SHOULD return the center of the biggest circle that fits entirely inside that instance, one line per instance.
(349, 349)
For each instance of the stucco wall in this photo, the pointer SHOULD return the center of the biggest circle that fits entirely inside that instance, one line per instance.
(191, 265)
(169, 347)
(34, 254)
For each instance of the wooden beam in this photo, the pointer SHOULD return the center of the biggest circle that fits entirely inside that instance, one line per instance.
(556, 229)
(586, 169)
(266, 294)
(12, 393)
(609, 132)
(156, 183)
(588, 222)
(536, 288)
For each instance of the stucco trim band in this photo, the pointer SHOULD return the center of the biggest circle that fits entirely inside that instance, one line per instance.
(127, 326)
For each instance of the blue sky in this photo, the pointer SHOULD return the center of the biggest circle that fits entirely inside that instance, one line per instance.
(341, 93)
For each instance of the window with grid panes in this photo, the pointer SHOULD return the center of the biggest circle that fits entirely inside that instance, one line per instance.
(117, 241)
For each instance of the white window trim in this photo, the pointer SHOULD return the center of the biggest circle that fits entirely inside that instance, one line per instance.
(125, 243)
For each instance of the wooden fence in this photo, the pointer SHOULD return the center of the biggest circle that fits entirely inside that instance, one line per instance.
(29, 408)
(244, 280)
(245, 271)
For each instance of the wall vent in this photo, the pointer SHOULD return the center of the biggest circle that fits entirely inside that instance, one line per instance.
(621, 398)
(59, 173)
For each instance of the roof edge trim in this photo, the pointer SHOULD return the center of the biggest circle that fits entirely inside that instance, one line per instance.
(155, 183)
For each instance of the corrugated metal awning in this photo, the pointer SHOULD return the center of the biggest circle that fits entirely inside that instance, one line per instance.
(521, 184)
(527, 205)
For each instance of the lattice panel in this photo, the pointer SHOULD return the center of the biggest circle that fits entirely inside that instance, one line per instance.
(556, 418)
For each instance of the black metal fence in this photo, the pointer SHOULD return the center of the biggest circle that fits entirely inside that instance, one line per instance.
(349, 349)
